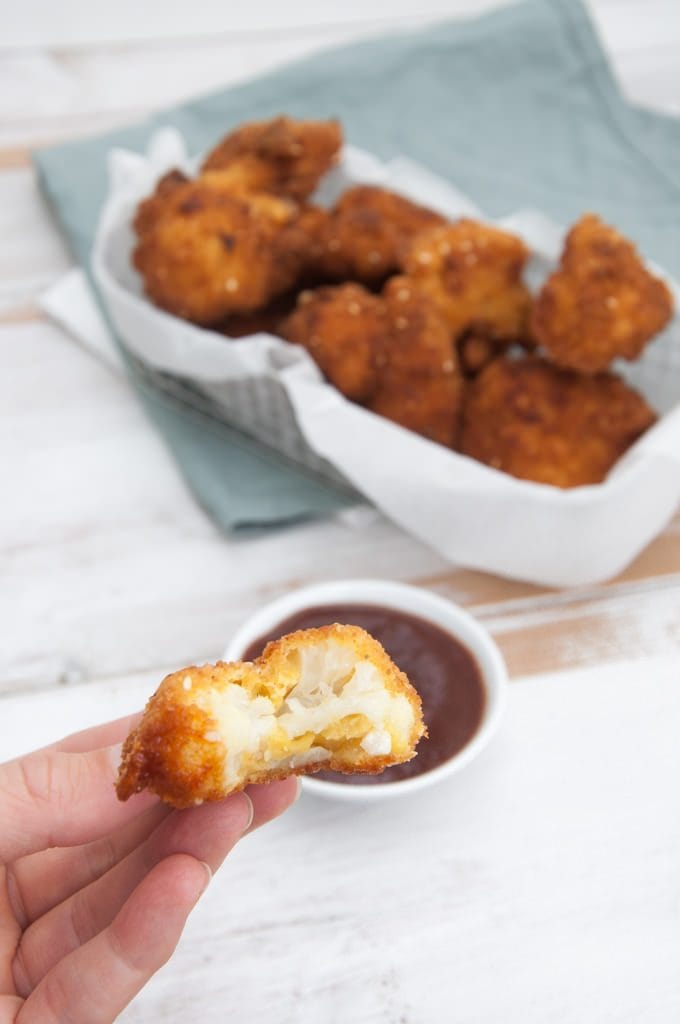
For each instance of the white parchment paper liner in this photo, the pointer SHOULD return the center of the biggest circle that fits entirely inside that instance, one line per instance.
(472, 514)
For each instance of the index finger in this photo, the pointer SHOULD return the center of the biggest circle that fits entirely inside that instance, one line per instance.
(104, 735)
(56, 798)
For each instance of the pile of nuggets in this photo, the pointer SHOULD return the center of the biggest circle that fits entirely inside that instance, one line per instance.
(418, 319)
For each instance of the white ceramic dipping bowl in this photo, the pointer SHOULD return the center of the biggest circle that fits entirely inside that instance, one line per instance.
(413, 601)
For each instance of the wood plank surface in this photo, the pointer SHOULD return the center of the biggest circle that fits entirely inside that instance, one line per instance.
(78, 24)
(539, 885)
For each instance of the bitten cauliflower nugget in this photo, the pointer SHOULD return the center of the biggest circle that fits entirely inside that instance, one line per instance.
(420, 384)
(601, 302)
(473, 273)
(345, 330)
(205, 254)
(537, 422)
(318, 698)
(366, 234)
(281, 156)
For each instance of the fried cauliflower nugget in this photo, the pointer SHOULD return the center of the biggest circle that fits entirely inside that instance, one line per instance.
(600, 303)
(281, 156)
(366, 234)
(477, 350)
(268, 319)
(318, 698)
(537, 422)
(162, 203)
(205, 254)
(345, 330)
(473, 273)
(420, 386)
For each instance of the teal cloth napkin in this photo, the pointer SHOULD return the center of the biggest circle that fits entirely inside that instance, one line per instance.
(517, 108)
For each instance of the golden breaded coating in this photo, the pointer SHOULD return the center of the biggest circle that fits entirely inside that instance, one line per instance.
(476, 350)
(366, 234)
(281, 156)
(537, 422)
(162, 203)
(601, 303)
(311, 224)
(269, 319)
(420, 386)
(345, 330)
(205, 254)
(473, 273)
(318, 698)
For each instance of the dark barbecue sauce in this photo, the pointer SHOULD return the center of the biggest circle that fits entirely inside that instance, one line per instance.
(443, 671)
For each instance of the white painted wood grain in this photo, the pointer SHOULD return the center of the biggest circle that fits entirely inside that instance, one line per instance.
(50, 93)
(646, 76)
(78, 24)
(39, 23)
(42, 86)
(624, 29)
(32, 254)
(31, 721)
(539, 885)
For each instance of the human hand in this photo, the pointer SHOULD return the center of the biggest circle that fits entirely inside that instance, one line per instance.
(94, 893)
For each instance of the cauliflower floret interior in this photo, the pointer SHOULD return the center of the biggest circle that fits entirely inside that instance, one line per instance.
(334, 702)
(329, 696)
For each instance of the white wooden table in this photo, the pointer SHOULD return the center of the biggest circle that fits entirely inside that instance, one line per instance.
(542, 884)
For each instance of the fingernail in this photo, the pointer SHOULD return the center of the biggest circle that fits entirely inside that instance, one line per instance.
(208, 875)
(298, 788)
(251, 812)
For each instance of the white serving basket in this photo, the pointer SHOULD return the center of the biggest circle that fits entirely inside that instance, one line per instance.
(472, 514)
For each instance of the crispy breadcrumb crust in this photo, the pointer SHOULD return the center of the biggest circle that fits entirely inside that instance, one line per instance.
(171, 752)
(345, 330)
(205, 254)
(365, 235)
(283, 156)
(537, 422)
(420, 386)
(473, 273)
(268, 319)
(601, 303)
